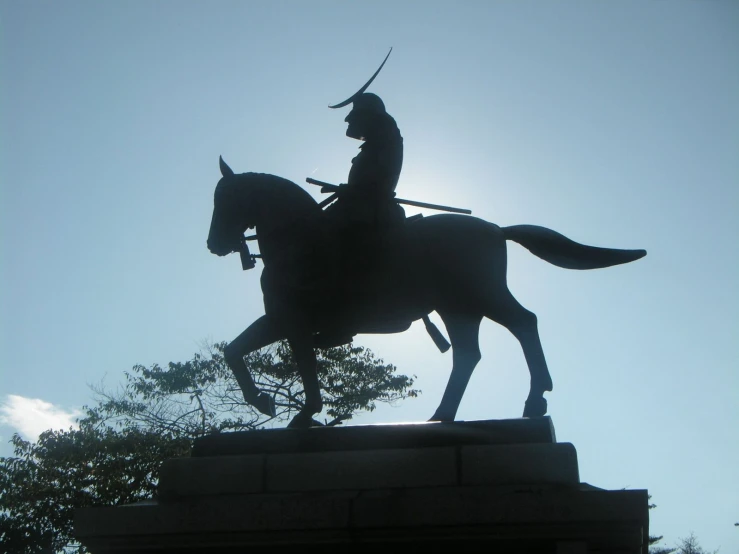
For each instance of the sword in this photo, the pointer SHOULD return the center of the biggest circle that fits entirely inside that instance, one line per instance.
(328, 187)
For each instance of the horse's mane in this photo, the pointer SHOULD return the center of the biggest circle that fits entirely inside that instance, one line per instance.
(282, 188)
(279, 202)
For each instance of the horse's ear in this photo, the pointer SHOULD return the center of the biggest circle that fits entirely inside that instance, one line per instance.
(225, 170)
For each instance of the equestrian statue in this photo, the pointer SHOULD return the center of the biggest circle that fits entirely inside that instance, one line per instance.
(355, 264)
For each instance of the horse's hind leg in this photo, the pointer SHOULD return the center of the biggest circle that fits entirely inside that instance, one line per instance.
(463, 333)
(258, 335)
(522, 323)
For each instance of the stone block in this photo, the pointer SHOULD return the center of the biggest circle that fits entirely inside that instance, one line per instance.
(554, 512)
(368, 469)
(210, 515)
(183, 477)
(572, 547)
(497, 486)
(374, 437)
(554, 464)
(467, 518)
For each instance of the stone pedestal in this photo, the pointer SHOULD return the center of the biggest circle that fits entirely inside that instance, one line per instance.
(497, 486)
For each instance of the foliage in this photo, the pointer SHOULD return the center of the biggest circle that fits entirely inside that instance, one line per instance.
(653, 539)
(687, 545)
(690, 545)
(43, 484)
(114, 456)
(658, 549)
(201, 396)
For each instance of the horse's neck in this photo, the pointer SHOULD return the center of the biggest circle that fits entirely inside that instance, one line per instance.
(283, 209)
(280, 201)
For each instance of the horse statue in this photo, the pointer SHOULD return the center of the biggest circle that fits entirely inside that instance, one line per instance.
(452, 264)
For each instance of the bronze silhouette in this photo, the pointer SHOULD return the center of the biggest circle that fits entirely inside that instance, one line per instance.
(366, 206)
(361, 267)
(452, 264)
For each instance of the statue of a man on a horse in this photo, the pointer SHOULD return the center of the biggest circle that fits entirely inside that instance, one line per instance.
(388, 272)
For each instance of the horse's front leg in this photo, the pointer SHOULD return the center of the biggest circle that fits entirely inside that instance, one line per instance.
(301, 344)
(262, 332)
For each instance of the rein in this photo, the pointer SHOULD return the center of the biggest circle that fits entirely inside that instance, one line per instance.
(295, 228)
(248, 260)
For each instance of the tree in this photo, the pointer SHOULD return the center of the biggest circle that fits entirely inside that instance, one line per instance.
(690, 545)
(687, 545)
(46, 481)
(201, 396)
(114, 456)
(653, 539)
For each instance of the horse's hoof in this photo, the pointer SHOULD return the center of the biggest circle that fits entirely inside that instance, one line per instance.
(439, 418)
(535, 407)
(265, 404)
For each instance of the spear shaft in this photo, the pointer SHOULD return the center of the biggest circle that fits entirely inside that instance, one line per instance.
(328, 187)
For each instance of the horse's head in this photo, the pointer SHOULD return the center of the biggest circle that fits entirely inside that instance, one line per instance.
(232, 213)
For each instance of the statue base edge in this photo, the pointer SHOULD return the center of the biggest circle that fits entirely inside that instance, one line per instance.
(467, 496)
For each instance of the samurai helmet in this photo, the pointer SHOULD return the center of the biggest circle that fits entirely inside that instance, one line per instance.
(366, 101)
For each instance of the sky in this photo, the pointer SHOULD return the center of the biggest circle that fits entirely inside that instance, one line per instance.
(614, 123)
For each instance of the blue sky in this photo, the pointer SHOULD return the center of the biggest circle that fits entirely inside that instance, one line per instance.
(615, 123)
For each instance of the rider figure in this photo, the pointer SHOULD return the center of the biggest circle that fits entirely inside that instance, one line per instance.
(366, 207)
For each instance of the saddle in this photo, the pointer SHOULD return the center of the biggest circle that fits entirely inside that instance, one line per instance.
(337, 274)
(360, 276)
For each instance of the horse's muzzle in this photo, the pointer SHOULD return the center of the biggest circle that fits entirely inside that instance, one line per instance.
(219, 249)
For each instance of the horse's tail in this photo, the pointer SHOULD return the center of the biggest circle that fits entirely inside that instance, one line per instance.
(557, 249)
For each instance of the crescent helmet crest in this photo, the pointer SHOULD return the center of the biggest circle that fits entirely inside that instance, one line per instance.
(357, 94)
